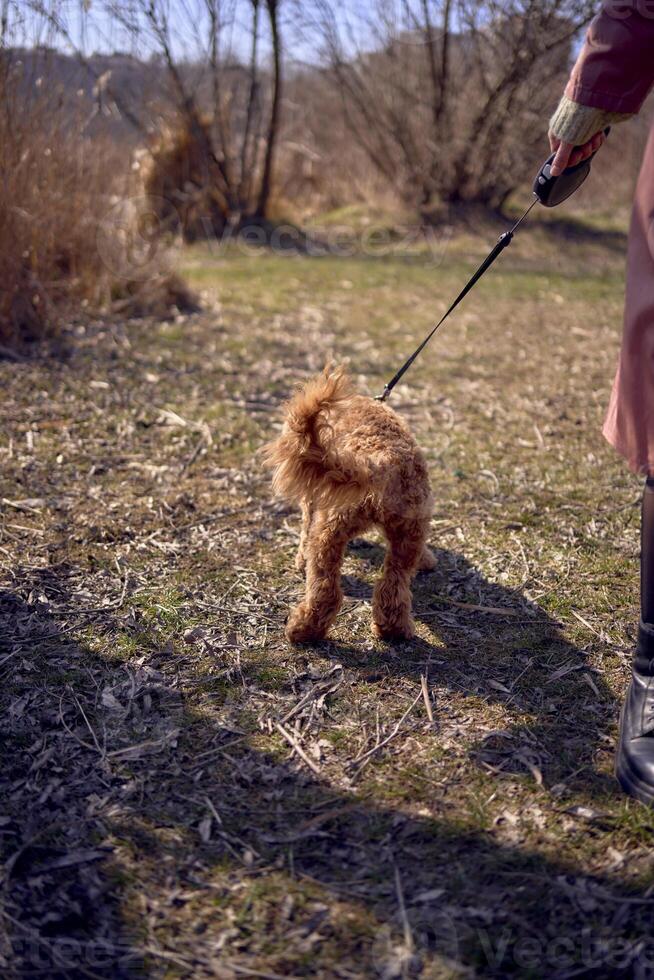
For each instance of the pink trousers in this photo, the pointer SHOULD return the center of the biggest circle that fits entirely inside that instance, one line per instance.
(629, 424)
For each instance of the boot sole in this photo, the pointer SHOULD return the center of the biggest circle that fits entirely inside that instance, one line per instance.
(632, 784)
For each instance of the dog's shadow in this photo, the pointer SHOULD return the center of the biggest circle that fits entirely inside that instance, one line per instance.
(488, 642)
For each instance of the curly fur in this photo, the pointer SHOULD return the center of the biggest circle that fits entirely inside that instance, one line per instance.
(351, 463)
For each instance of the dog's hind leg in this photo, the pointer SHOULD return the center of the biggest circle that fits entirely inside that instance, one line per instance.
(324, 549)
(427, 562)
(307, 517)
(391, 602)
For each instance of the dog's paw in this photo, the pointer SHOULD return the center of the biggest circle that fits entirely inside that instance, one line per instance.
(300, 630)
(427, 561)
(394, 631)
(302, 634)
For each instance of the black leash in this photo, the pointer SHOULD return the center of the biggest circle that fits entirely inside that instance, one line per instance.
(548, 190)
(505, 239)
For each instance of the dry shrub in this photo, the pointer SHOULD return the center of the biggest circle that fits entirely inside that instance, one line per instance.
(181, 180)
(51, 197)
(61, 251)
(156, 297)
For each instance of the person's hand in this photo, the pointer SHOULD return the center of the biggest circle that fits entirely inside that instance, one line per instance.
(568, 155)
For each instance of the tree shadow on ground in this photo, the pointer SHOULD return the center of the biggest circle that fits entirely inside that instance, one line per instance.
(578, 231)
(143, 838)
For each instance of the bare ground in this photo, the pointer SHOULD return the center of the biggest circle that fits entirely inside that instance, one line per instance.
(183, 794)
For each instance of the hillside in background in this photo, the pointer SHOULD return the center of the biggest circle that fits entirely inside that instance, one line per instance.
(109, 91)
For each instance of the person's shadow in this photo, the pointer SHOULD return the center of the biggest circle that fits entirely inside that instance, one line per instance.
(147, 835)
(493, 644)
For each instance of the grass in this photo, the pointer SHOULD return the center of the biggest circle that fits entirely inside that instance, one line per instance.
(147, 574)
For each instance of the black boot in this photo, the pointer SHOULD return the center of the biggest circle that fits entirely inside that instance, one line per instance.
(635, 754)
(634, 764)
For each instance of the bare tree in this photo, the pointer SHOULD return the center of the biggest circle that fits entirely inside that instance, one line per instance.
(448, 98)
(213, 128)
(272, 7)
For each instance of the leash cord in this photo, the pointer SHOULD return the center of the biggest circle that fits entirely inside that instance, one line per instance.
(502, 242)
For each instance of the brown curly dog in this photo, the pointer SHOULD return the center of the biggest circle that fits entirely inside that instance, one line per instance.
(351, 463)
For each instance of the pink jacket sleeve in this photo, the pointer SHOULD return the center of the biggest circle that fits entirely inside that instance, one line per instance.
(615, 69)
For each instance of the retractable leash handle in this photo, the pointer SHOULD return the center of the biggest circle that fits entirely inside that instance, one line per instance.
(548, 191)
(552, 191)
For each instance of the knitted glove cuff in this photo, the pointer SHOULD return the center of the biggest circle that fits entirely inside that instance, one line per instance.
(575, 123)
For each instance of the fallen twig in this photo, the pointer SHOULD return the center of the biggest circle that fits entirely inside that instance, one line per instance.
(427, 698)
(406, 925)
(473, 607)
(298, 748)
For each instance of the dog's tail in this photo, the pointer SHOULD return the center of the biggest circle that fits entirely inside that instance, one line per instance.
(306, 464)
